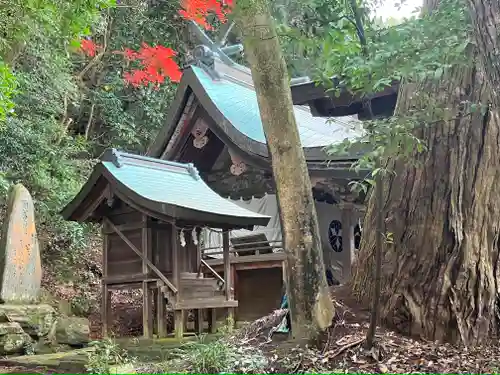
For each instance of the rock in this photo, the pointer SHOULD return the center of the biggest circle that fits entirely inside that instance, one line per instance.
(43, 346)
(73, 331)
(10, 328)
(35, 320)
(20, 264)
(14, 343)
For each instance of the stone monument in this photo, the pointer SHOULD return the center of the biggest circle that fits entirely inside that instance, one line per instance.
(20, 263)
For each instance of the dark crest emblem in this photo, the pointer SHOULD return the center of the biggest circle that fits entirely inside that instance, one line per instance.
(335, 235)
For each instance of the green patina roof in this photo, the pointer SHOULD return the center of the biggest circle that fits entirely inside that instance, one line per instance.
(171, 183)
(168, 188)
(237, 102)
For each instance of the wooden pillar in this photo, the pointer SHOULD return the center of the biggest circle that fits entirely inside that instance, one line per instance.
(105, 293)
(227, 276)
(198, 253)
(178, 314)
(212, 321)
(198, 321)
(147, 310)
(227, 265)
(179, 324)
(234, 283)
(175, 260)
(160, 314)
(347, 241)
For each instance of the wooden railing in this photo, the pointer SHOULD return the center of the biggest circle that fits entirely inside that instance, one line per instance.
(249, 248)
(219, 278)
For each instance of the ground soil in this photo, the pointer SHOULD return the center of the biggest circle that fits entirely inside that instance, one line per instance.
(339, 350)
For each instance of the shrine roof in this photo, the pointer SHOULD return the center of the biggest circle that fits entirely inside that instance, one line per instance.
(160, 189)
(228, 96)
(237, 102)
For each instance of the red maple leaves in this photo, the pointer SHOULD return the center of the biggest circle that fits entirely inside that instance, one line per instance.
(198, 10)
(88, 47)
(157, 63)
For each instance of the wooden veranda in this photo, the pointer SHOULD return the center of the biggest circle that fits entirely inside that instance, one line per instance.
(152, 212)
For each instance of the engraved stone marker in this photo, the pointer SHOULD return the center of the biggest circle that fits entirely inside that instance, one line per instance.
(20, 264)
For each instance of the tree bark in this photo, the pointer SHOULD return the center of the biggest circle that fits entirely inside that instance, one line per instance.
(485, 15)
(440, 277)
(311, 307)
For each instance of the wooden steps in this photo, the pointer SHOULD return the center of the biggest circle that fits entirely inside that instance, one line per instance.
(197, 289)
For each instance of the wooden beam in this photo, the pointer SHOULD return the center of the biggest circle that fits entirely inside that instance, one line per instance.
(227, 265)
(148, 262)
(124, 279)
(127, 227)
(248, 259)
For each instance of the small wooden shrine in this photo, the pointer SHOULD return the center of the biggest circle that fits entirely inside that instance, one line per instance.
(152, 212)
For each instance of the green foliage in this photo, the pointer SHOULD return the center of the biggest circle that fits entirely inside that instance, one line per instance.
(417, 50)
(112, 113)
(217, 357)
(7, 91)
(301, 27)
(106, 354)
(68, 108)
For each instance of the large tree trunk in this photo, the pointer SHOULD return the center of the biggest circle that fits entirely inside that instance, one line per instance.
(440, 277)
(485, 15)
(310, 304)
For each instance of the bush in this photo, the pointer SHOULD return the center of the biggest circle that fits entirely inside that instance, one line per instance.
(220, 357)
(107, 353)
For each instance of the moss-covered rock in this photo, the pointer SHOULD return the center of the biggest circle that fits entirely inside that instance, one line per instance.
(13, 343)
(35, 320)
(10, 328)
(72, 331)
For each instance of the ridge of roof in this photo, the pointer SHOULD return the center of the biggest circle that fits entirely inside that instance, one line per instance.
(121, 158)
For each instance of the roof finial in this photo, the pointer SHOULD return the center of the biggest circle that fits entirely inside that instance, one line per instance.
(115, 158)
(205, 53)
(193, 171)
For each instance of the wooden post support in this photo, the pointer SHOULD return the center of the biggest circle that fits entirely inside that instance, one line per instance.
(175, 261)
(347, 242)
(234, 283)
(105, 309)
(179, 324)
(212, 321)
(198, 321)
(230, 319)
(160, 314)
(198, 252)
(227, 265)
(105, 297)
(147, 310)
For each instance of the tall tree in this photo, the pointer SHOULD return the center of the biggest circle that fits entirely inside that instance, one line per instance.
(311, 307)
(310, 303)
(440, 274)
